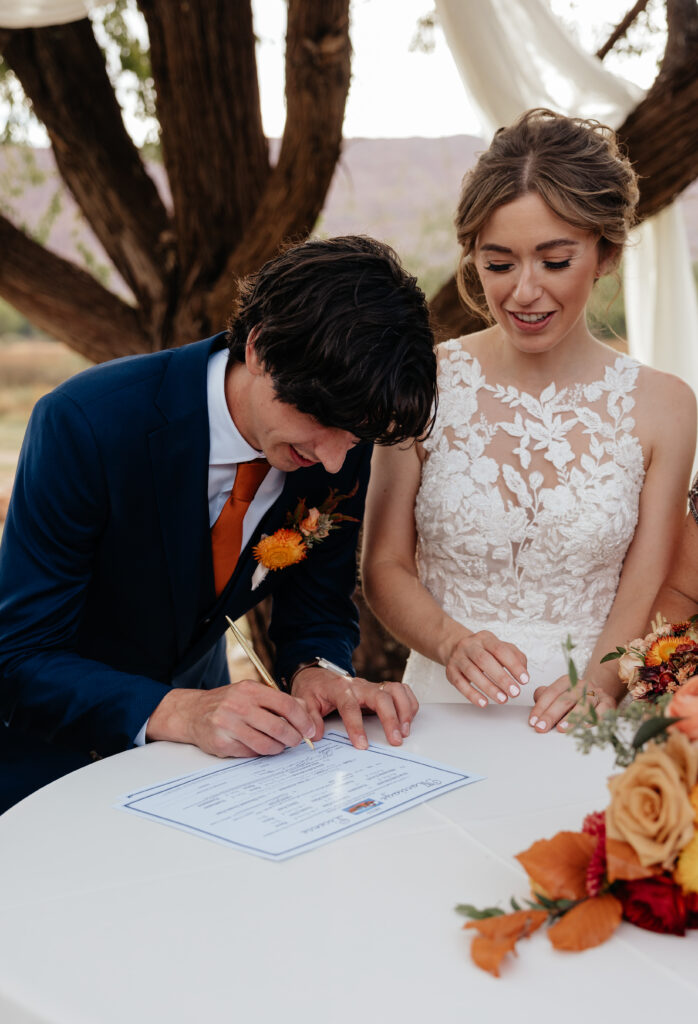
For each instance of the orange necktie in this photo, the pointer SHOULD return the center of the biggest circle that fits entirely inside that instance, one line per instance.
(226, 532)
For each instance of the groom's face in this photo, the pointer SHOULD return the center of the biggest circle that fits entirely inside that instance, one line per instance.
(289, 438)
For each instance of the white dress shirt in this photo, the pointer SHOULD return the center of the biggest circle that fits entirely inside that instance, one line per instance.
(227, 449)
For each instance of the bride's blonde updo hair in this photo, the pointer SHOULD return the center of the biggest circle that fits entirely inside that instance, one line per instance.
(575, 166)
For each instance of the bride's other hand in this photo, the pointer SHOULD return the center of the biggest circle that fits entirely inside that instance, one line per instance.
(556, 702)
(481, 665)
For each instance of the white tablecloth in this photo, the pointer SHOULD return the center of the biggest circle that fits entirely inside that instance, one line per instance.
(109, 918)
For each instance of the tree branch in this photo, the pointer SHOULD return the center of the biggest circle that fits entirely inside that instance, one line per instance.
(621, 28)
(214, 149)
(661, 133)
(62, 71)
(65, 300)
(318, 62)
(682, 39)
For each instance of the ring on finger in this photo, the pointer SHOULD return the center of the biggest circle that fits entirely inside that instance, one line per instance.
(381, 686)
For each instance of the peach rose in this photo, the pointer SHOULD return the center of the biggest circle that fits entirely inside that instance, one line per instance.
(684, 754)
(309, 524)
(630, 662)
(684, 705)
(650, 809)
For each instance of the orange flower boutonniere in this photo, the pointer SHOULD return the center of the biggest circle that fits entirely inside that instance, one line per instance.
(304, 528)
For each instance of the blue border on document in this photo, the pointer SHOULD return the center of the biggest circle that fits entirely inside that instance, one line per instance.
(352, 825)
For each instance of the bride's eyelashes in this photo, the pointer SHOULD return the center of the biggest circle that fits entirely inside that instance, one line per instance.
(548, 264)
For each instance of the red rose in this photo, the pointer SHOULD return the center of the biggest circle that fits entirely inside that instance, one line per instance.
(656, 904)
(691, 909)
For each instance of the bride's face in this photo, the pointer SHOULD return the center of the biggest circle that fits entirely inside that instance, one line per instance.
(537, 272)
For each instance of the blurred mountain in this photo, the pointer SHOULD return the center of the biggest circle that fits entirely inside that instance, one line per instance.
(403, 191)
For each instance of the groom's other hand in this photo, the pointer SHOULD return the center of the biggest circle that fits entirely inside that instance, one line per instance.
(241, 719)
(323, 692)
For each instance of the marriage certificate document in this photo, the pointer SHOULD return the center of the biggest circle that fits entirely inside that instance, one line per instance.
(277, 807)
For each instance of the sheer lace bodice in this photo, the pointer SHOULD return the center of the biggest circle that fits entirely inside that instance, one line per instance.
(525, 510)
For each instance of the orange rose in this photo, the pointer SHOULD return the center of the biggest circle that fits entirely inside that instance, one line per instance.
(684, 705)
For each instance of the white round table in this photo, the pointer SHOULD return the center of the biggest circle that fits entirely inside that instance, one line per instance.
(108, 918)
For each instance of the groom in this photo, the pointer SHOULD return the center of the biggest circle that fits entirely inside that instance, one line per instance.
(144, 486)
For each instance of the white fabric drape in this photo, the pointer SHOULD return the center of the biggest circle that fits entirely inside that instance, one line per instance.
(663, 330)
(37, 13)
(515, 54)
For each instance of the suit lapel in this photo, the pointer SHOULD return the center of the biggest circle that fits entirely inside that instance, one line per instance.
(179, 459)
(238, 596)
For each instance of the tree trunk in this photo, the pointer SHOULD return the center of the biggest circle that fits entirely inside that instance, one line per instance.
(231, 210)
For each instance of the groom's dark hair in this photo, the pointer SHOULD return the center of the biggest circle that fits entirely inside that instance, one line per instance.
(344, 332)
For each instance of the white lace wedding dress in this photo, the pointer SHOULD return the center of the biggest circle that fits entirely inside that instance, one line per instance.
(525, 511)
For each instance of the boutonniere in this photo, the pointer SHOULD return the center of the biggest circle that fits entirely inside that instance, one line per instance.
(304, 528)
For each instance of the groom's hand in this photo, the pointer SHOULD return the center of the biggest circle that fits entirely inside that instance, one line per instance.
(241, 719)
(323, 692)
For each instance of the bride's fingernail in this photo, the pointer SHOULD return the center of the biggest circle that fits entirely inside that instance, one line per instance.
(482, 702)
(514, 691)
(501, 697)
(533, 719)
(524, 677)
(564, 725)
(540, 724)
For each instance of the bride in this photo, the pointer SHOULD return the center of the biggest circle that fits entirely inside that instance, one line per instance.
(547, 500)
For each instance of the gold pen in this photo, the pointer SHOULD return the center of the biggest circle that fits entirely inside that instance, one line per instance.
(251, 654)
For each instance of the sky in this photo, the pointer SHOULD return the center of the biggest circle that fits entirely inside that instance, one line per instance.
(396, 92)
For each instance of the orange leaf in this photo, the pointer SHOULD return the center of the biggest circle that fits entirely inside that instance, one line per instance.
(622, 863)
(559, 865)
(499, 935)
(504, 926)
(588, 924)
(487, 954)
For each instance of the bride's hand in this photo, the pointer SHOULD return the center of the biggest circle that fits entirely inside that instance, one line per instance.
(556, 702)
(481, 666)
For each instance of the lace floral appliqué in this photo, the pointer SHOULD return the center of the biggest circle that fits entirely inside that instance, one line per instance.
(527, 505)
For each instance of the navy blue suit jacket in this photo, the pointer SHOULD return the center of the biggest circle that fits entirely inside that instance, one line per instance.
(106, 578)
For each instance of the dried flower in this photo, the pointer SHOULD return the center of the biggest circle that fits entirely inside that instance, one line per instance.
(662, 649)
(282, 548)
(660, 662)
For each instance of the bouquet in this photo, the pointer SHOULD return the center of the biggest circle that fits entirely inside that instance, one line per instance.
(661, 662)
(638, 859)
